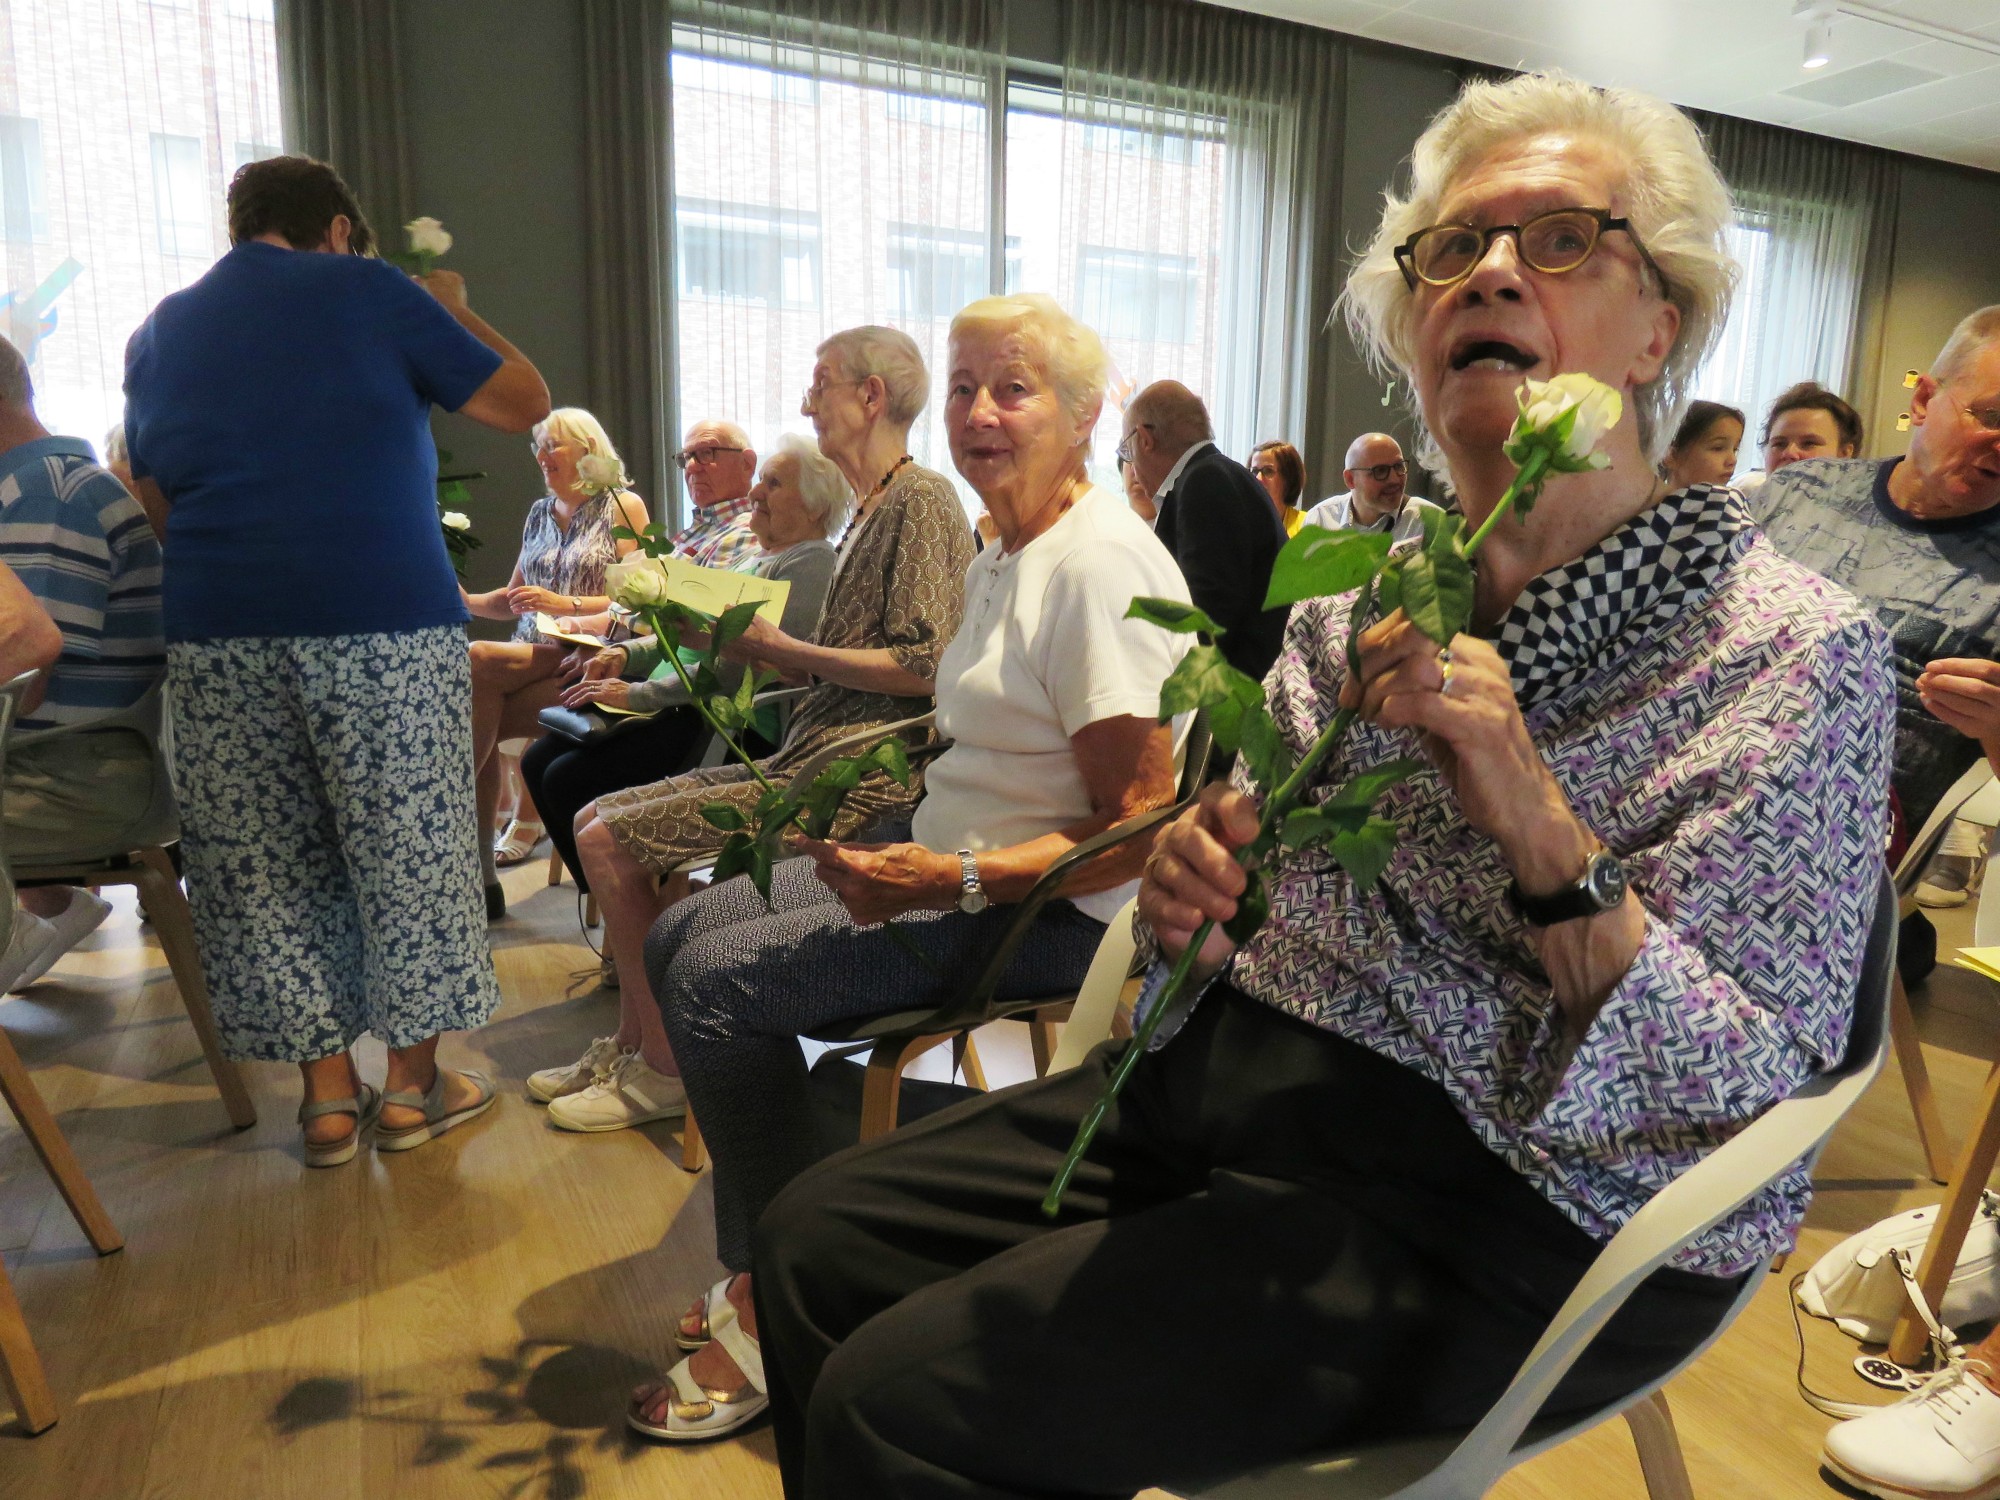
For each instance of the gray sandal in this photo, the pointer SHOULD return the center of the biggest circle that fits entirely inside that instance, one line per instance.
(364, 1110)
(437, 1120)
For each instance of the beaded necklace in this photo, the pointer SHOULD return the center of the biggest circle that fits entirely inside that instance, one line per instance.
(860, 511)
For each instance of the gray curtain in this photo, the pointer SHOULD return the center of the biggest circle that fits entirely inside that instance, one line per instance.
(342, 91)
(627, 192)
(1271, 94)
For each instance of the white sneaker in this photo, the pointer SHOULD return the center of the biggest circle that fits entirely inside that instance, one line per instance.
(55, 936)
(630, 1094)
(553, 1083)
(1948, 882)
(1938, 1443)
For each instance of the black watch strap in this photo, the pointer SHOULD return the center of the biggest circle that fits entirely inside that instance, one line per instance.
(1601, 887)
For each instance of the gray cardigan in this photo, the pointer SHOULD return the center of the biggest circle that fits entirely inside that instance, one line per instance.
(807, 566)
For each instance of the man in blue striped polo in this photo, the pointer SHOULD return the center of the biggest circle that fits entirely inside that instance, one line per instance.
(81, 544)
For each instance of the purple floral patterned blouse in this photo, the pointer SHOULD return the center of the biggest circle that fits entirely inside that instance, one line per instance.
(1722, 719)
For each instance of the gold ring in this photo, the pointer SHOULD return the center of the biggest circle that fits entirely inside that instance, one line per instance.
(1445, 686)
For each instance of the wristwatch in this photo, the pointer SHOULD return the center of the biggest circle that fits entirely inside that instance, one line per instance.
(971, 894)
(1599, 889)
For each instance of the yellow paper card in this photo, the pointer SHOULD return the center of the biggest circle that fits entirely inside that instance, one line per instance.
(1984, 960)
(710, 590)
(550, 629)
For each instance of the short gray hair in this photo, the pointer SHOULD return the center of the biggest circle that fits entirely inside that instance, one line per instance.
(728, 431)
(890, 355)
(1676, 200)
(16, 388)
(821, 484)
(1070, 351)
(115, 451)
(1974, 332)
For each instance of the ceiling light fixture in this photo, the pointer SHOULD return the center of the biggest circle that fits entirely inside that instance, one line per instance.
(1814, 11)
(1818, 16)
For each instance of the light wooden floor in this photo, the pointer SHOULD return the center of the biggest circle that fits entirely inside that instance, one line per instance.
(464, 1320)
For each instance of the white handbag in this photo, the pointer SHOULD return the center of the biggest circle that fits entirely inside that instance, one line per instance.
(1860, 1283)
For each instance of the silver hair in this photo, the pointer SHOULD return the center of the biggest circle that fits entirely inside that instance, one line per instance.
(16, 388)
(115, 451)
(579, 426)
(1678, 205)
(1070, 351)
(821, 484)
(729, 432)
(1974, 332)
(893, 357)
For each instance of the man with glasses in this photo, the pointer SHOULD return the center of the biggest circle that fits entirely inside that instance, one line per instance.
(1377, 485)
(1212, 516)
(719, 467)
(1918, 538)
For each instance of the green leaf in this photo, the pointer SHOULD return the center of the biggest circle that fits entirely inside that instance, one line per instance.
(1203, 679)
(1305, 826)
(1264, 750)
(724, 815)
(1171, 614)
(1437, 593)
(731, 623)
(1317, 563)
(1357, 618)
(1365, 788)
(722, 710)
(892, 760)
(1366, 852)
(735, 857)
(1389, 589)
(1252, 908)
(1226, 718)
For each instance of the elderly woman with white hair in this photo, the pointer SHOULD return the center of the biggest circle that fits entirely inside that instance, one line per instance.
(1050, 697)
(897, 595)
(566, 545)
(1385, 1138)
(797, 506)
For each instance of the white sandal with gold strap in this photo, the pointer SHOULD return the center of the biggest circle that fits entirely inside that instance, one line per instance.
(715, 1297)
(696, 1413)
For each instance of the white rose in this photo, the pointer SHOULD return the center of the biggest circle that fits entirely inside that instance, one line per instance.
(456, 520)
(595, 473)
(427, 236)
(1576, 410)
(641, 588)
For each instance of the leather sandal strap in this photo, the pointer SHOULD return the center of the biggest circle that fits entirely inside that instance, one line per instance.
(347, 1106)
(743, 1348)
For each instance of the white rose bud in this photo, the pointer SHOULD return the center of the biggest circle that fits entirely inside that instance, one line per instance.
(1571, 413)
(456, 520)
(427, 236)
(641, 588)
(595, 474)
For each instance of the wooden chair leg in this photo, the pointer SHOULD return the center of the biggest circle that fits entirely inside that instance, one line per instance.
(694, 1155)
(882, 1084)
(1042, 1036)
(590, 911)
(1961, 1201)
(555, 867)
(21, 1366)
(1917, 1079)
(965, 1059)
(160, 888)
(1660, 1459)
(26, 1101)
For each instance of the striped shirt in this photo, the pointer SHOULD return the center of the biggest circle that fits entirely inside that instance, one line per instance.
(85, 550)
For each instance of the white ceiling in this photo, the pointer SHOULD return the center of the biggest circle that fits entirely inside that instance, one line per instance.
(1735, 57)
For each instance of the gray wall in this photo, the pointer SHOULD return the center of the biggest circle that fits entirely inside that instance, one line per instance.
(1947, 224)
(494, 98)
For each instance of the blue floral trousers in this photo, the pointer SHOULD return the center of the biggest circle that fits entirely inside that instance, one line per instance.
(328, 825)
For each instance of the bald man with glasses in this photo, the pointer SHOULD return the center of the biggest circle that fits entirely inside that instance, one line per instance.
(718, 466)
(1377, 485)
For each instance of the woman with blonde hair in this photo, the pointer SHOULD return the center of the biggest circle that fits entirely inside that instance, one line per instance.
(565, 547)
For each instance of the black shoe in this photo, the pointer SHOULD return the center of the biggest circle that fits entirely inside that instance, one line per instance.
(496, 902)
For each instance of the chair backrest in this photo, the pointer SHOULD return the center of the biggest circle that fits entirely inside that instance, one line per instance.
(11, 694)
(1795, 1129)
(1924, 843)
(1097, 999)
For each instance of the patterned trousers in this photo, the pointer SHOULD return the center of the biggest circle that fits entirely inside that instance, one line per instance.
(738, 984)
(327, 818)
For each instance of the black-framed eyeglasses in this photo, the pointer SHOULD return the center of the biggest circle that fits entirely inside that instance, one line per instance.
(705, 454)
(1124, 448)
(1383, 473)
(1263, 471)
(1553, 243)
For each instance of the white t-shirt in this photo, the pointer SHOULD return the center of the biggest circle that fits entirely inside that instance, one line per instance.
(1044, 650)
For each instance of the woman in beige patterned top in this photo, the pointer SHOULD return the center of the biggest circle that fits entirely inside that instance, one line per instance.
(898, 592)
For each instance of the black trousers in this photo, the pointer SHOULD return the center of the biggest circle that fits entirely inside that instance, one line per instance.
(564, 777)
(1279, 1241)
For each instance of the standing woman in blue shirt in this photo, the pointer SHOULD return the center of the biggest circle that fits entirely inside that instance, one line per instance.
(278, 410)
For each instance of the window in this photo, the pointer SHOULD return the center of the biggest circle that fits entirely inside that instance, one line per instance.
(127, 119)
(24, 210)
(245, 152)
(939, 114)
(181, 196)
(938, 271)
(745, 253)
(1135, 294)
(1158, 144)
(1731, 374)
